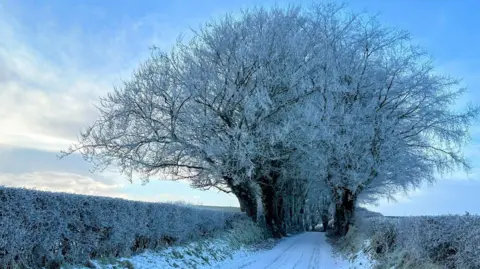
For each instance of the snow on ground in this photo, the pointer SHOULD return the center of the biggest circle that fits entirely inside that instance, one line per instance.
(195, 255)
(361, 259)
(304, 251)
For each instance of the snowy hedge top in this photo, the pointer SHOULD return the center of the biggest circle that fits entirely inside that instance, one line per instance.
(40, 227)
(452, 241)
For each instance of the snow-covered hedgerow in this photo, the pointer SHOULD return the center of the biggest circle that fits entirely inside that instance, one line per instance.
(244, 238)
(44, 229)
(449, 241)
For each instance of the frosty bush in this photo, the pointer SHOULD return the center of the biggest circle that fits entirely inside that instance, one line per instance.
(449, 241)
(42, 228)
(246, 233)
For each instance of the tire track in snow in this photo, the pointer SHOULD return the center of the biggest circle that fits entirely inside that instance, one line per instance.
(304, 251)
(284, 255)
(281, 253)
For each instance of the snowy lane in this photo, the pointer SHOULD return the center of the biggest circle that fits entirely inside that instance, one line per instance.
(304, 251)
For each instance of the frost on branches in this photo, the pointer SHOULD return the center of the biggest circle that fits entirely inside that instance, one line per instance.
(292, 110)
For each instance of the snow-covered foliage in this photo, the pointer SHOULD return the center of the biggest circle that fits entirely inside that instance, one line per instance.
(283, 107)
(243, 239)
(449, 241)
(40, 228)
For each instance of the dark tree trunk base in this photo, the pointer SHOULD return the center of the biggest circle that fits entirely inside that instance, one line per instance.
(325, 223)
(247, 197)
(344, 210)
(269, 209)
(272, 205)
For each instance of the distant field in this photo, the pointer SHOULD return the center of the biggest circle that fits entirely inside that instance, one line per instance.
(222, 208)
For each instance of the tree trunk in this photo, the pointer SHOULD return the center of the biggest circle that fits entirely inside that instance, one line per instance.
(344, 210)
(280, 213)
(248, 205)
(247, 197)
(273, 206)
(269, 210)
(325, 220)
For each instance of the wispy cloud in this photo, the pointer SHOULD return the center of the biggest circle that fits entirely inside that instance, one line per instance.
(42, 105)
(62, 182)
(51, 75)
(50, 81)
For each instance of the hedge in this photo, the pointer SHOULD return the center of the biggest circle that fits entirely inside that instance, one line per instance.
(449, 241)
(44, 229)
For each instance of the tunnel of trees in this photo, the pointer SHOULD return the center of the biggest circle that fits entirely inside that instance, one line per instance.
(300, 112)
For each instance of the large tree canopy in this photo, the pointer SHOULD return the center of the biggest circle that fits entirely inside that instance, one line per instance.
(286, 107)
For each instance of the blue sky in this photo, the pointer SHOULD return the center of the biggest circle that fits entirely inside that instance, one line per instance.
(57, 57)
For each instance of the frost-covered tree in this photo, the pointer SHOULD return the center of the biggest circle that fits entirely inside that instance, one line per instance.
(285, 107)
(391, 118)
(213, 110)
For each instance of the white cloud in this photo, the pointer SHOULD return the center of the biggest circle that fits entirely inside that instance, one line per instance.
(42, 106)
(41, 118)
(50, 77)
(62, 182)
(47, 95)
(166, 197)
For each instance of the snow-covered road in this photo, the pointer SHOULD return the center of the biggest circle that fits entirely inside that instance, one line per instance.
(304, 251)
